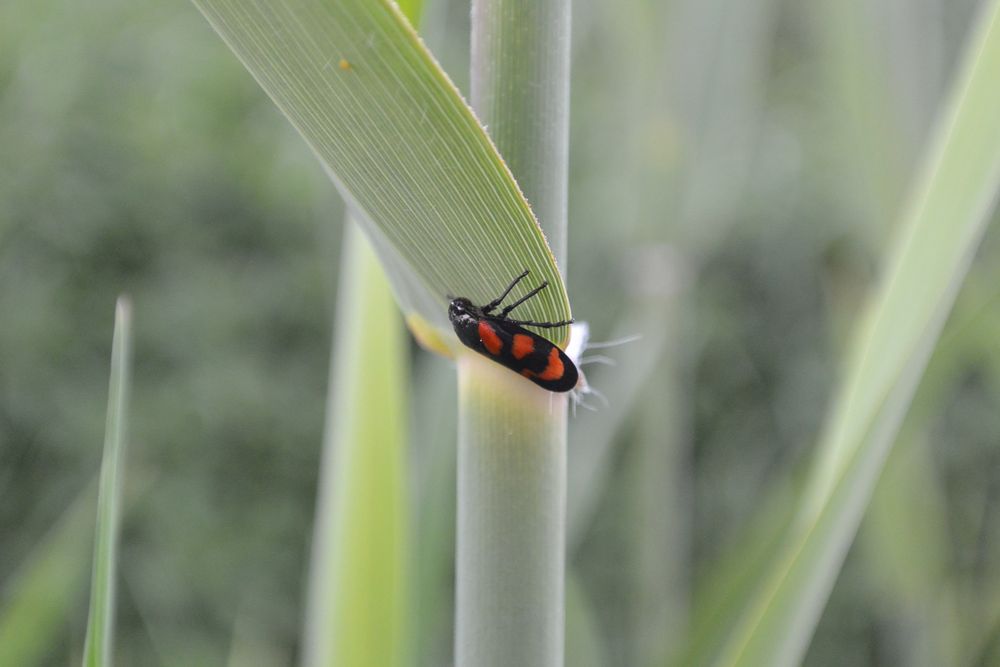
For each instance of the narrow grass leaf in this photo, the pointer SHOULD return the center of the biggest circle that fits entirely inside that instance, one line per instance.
(651, 312)
(38, 598)
(945, 219)
(433, 437)
(100, 625)
(358, 592)
(584, 646)
(720, 595)
(403, 147)
(865, 107)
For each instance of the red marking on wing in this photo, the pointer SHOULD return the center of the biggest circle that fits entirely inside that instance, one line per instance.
(554, 369)
(523, 346)
(491, 341)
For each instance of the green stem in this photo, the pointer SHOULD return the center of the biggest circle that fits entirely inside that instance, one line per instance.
(520, 91)
(98, 647)
(511, 519)
(510, 560)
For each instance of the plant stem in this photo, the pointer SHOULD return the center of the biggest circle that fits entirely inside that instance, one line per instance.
(510, 561)
(98, 648)
(520, 91)
(511, 519)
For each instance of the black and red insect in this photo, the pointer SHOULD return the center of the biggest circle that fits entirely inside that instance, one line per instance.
(507, 342)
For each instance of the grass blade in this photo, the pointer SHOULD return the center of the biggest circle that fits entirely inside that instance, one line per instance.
(357, 595)
(39, 596)
(872, 138)
(433, 436)
(418, 169)
(583, 637)
(100, 625)
(945, 219)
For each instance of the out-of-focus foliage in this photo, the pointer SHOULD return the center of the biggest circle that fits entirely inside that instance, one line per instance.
(136, 155)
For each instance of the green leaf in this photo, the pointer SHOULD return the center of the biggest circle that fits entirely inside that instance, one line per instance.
(584, 647)
(867, 111)
(944, 221)
(358, 592)
(100, 625)
(417, 168)
(432, 460)
(720, 595)
(38, 597)
(359, 589)
(653, 307)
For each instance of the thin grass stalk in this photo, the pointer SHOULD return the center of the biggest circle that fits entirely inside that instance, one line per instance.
(39, 596)
(656, 470)
(357, 607)
(510, 560)
(97, 651)
(520, 92)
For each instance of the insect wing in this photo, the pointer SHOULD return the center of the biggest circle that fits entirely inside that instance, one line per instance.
(527, 353)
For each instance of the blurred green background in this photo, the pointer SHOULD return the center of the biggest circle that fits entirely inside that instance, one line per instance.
(735, 168)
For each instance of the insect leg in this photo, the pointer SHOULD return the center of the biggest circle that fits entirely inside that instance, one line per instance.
(507, 309)
(496, 302)
(543, 325)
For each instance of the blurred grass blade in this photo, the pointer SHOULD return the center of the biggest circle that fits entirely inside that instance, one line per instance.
(584, 647)
(866, 111)
(37, 599)
(946, 217)
(905, 540)
(720, 595)
(100, 625)
(433, 438)
(720, 50)
(358, 593)
(405, 150)
(659, 279)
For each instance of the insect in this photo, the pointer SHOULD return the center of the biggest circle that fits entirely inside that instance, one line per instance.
(507, 342)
